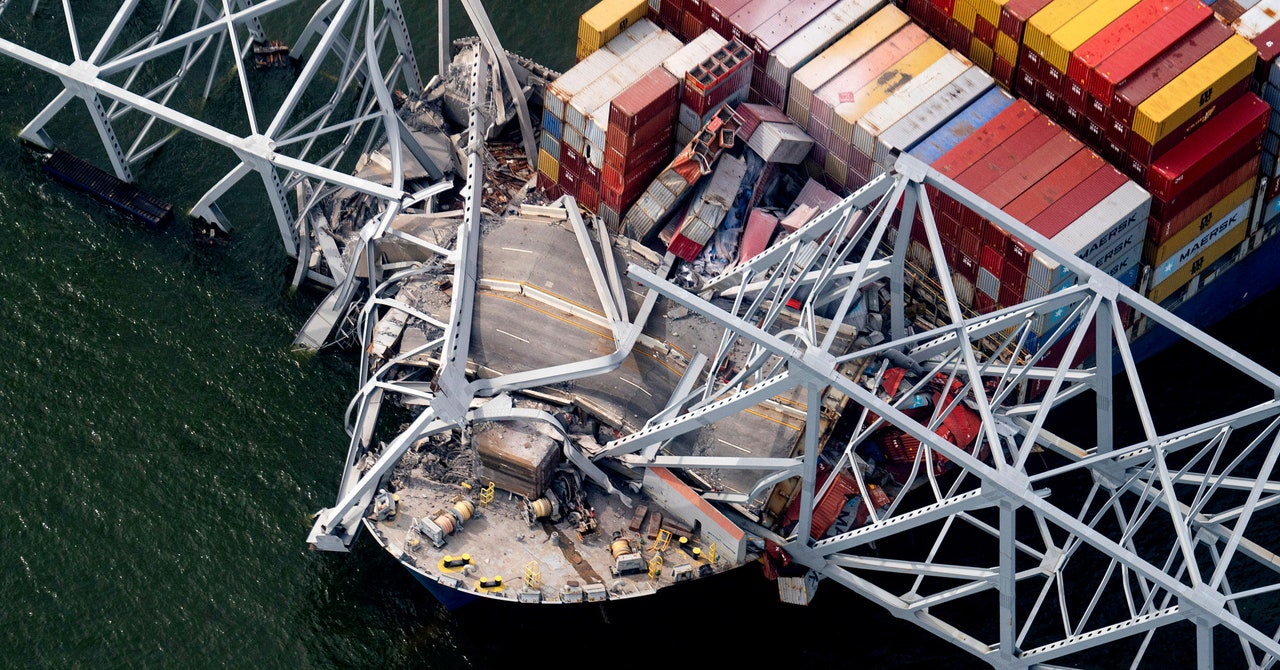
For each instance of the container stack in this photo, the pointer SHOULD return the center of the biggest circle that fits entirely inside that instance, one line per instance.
(639, 141)
(578, 112)
(700, 49)
(603, 22)
(1031, 168)
(1259, 24)
(723, 78)
(802, 46)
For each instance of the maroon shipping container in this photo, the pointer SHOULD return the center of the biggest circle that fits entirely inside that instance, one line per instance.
(997, 163)
(1268, 45)
(1117, 34)
(716, 14)
(1116, 69)
(960, 37)
(548, 187)
(1049, 99)
(1163, 210)
(626, 164)
(1160, 230)
(1055, 186)
(669, 15)
(1014, 16)
(589, 198)
(649, 96)
(1033, 164)
(1142, 151)
(1154, 75)
(1079, 200)
(976, 146)
(1025, 83)
(984, 31)
(966, 266)
(1002, 72)
(570, 183)
(690, 25)
(591, 176)
(657, 129)
(749, 117)
(1238, 126)
(570, 160)
(751, 16)
(1228, 10)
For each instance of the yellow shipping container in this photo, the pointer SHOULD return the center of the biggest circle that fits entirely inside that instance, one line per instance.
(1086, 24)
(1048, 20)
(1154, 255)
(1197, 86)
(548, 165)
(901, 72)
(990, 10)
(1194, 266)
(603, 22)
(981, 54)
(1007, 48)
(964, 14)
(837, 57)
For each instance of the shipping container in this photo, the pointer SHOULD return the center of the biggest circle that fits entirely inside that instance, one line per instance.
(796, 51)
(790, 20)
(696, 51)
(1155, 75)
(1215, 243)
(1237, 128)
(837, 57)
(907, 98)
(1161, 229)
(605, 88)
(1036, 35)
(560, 91)
(751, 16)
(1259, 17)
(847, 112)
(1013, 168)
(1119, 33)
(1055, 186)
(648, 97)
(1200, 85)
(757, 234)
(715, 15)
(1089, 192)
(1075, 32)
(632, 39)
(1157, 253)
(780, 142)
(1116, 69)
(708, 204)
(962, 125)
(1013, 20)
(604, 21)
(843, 86)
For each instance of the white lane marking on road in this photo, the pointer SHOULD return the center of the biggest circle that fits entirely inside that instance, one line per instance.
(642, 389)
(510, 335)
(523, 251)
(745, 451)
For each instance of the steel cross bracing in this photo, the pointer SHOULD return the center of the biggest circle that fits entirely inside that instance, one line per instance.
(303, 143)
(1033, 549)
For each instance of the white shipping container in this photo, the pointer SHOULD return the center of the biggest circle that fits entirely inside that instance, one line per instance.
(988, 283)
(780, 143)
(931, 113)
(572, 139)
(905, 99)
(819, 34)
(696, 51)
(633, 38)
(613, 82)
(1125, 210)
(577, 78)
(1251, 24)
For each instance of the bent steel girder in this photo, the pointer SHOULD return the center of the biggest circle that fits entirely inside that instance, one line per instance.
(309, 139)
(1104, 549)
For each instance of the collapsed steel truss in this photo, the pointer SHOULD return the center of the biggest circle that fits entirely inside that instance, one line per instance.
(1039, 554)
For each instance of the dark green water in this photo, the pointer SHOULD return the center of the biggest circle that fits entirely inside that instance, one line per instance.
(160, 451)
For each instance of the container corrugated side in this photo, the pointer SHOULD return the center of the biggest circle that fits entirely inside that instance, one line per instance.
(846, 114)
(1017, 164)
(560, 91)
(1199, 85)
(933, 112)
(1161, 229)
(962, 125)
(604, 89)
(1035, 36)
(644, 99)
(1239, 127)
(1120, 65)
(780, 143)
(1089, 192)
(548, 165)
(989, 10)
(1259, 17)
(822, 32)
(1015, 14)
(1159, 253)
(889, 111)
(605, 20)
(837, 57)
(984, 139)
(693, 53)
(1079, 29)
(715, 15)
(1119, 33)
(1228, 230)
(1109, 223)
(1054, 186)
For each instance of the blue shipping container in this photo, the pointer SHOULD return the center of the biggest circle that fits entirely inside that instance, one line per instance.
(550, 123)
(962, 125)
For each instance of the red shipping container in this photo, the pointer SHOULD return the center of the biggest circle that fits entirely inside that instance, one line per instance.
(966, 267)
(1233, 129)
(569, 182)
(995, 238)
(1016, 262)
(570, 159)
(1052, 77)
(548, 187)
(916, 9)
(1072, 118)
(970, 245)
(1033, 164)
(1160, 230)
(669, 18)
(652, 94)
(1154, 75)
(1054, 186)
(1002, 72)
(1164, 210)
(1144, 152)
(716, 13)
(1009, 296)
(660, 129)
(992, 260)
(983, 303)
(589, 198)
(936, 19)
(1119, 33)
(641, 156)
(591, 176)
(960, 37)
(690, 25)
(1116, 69)
(1066, 210)
(1050, 101)
(1097, 110)
(1025, 83)
(1092, 134)
(1014, 16)
(992, 133)
(789, 20)
(984, 31)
